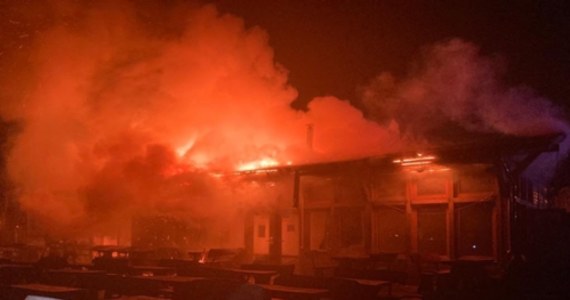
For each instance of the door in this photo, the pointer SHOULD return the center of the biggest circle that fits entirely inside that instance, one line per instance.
(261, 237)
(290, 235)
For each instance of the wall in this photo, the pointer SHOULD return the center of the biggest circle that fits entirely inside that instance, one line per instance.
(450, 210)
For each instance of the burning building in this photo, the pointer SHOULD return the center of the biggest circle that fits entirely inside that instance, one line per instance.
(182, 133)
(453, 201)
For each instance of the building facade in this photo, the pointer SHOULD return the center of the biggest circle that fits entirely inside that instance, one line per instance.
(453, 202)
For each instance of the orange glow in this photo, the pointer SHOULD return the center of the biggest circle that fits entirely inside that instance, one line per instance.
(105, 240)
(217, 175)
(199, 160)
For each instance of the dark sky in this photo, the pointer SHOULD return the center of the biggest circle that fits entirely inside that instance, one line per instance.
(332, 47)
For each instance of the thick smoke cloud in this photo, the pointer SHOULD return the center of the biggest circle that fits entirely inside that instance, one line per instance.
(456, 94)
(125, 114)
(128, 111)
(454, 85)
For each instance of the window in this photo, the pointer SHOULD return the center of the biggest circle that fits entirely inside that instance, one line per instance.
(391, 230)
(432, 229)
(474, 225)
(349, 191)
(431, 186)
(348, 226)
(317, 189)
(474, 181)
(389, 188)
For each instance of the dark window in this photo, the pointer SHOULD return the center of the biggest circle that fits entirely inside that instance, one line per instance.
(432, 230)
(392, 230)
(474, 229)
(348, 223)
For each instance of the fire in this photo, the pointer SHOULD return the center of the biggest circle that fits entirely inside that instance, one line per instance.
(266, 162)
(419, 159)
(199, 160)
(181, 151)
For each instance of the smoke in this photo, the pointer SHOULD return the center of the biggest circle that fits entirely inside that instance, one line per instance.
(347, 132)
(456, 94)
(456, 88)
(126, 112)
(129, 111)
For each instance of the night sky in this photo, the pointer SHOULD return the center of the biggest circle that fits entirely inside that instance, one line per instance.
(334, 46)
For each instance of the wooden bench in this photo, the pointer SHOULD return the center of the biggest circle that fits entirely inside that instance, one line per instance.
(281, 269)
(373, 286)
(293, 292)
(17, 273)
(207, 289)
(151, 270)
(338, 288)
(255, 276)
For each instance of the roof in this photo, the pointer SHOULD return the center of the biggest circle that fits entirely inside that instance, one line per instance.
(483, 149)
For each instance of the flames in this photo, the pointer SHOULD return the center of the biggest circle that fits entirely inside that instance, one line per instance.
(263, 163)
(417, 160)
(202, 160)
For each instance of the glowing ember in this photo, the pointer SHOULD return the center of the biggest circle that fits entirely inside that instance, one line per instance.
(415, 163)
(420, 159)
